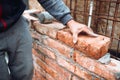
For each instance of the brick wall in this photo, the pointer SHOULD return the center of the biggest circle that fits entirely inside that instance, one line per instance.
(57, 58)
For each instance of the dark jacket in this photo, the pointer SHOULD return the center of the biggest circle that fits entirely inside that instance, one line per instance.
(11, 10)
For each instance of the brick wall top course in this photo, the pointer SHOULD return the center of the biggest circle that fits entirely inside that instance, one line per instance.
(94, 47)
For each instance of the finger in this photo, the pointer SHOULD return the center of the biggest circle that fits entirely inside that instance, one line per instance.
(89, 32)
(75, 36)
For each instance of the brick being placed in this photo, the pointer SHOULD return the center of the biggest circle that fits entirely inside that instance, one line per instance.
(94, 47)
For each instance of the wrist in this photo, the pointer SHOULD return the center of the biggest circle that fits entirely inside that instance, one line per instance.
(69, 23)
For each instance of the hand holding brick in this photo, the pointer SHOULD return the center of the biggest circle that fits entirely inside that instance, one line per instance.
(94, 47)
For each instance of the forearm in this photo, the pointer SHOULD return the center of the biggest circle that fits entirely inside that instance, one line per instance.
(58, 9)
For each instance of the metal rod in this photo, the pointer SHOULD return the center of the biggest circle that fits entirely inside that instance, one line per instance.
(108, 16)
(75, 8)
(70, 4)
(118, 46)
(114, 23)
(85, 11)
(99, 8)
(90, 13)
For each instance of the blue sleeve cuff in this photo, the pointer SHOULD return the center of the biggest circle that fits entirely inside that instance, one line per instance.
(66, 18)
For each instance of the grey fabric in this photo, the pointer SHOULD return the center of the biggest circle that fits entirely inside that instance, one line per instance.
(17, 42)
(58, 9)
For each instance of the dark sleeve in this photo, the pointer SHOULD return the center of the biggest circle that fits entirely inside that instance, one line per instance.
(58, 9)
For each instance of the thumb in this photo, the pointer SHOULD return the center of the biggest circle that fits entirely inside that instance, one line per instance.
(75, 37)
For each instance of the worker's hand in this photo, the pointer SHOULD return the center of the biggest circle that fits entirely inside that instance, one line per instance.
(76, 28)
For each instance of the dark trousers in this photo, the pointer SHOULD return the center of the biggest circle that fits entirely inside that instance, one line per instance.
(17, 42)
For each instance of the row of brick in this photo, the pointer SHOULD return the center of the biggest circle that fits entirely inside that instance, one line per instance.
(94, 47)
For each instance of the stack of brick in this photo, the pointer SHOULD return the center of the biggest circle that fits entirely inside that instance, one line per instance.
(57, 58)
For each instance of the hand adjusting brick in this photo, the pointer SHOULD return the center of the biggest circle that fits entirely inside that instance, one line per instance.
(94, 47)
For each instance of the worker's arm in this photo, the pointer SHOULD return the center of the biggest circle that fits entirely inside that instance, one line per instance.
(61, 12)
(58, 9)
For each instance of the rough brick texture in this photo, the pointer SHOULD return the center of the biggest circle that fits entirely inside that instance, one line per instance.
(57, 58)
(94, 47)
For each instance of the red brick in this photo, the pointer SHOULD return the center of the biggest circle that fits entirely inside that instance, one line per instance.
(62, 48)
(76, 78)
(38, 54)
(45, 51)
(39, 70)
(35, 35)
(96, 67)
(94, 47)
(48, 77)
(83, 73)
(48, 29)
(63, 74)
(95, 78)
(38, 76)
(47, 68)
(66, 64)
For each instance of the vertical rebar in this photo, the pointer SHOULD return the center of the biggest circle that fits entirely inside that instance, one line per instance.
(75, 9)
(90, 12)
(85, 11)
(118, 46)
(108, 17)
(114, 22)
(98, 7)
(70, 4)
